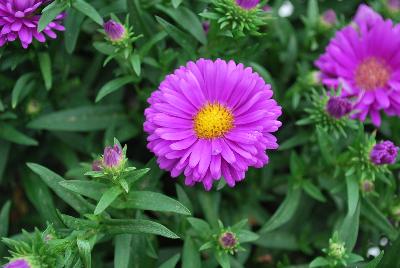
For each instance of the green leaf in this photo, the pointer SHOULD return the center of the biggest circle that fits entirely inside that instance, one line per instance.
(187, 20)
(171, 262)
(151, 201)
(375, 262)
(4, 152)
(246, 236)
(176, 3)
(319, 262)
(325, 144)
(72, 24)
(113, 85)
(348, 231)
(183, 197)
(45, 68)
(201, 226)
(391, 257)
(116, 227)
(4, 219)
(191, 256)
(353, 194)
(122, 250)
(87, 188)
(20, 88)
(180, 37)
(313, 191)
(50, 13)
(84, 251)
(285, 211)
(135, 61)
(53, 181)
(39, 195)
(296, 140)
(9, 133)
(375, 216)
(223, 259)
(88, 118)
(88, 10)
(108, 197)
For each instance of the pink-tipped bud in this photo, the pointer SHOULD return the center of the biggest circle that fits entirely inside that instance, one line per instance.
(114, 30)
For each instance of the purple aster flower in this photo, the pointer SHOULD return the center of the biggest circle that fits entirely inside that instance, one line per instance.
(247, 4)
(228, 240)
(338, 107)
(329, 17)
(212, 119)
(20, 18)
(19, 263)
(366, 65)
(384, 153)
(97, 165)
(112, 156)
(114, 30)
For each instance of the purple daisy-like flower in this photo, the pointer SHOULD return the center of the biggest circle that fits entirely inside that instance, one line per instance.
(384, 153)
(20, 19)
(114, 30)
(112, 156)
(19, 263)
(212, 119)
(365, 61)
(247, 4)
(338, 107)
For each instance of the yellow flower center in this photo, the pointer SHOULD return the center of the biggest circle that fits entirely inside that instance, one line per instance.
(372, 73)
(213, 121)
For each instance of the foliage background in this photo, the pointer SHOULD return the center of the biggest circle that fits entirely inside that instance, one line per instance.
(48, 115)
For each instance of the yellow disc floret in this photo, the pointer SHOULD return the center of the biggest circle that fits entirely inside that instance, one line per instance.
(212, 121)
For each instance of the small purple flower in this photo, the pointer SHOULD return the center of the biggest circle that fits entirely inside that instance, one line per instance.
(384, 153)
(19, 263)
(114, 30)
(206, 26)
(228, 240)
(247, 4)
(393, 5)
(329, 17)
(19, 19)
(338, 107)
(96, 165)
(112, 156)
(267, 8)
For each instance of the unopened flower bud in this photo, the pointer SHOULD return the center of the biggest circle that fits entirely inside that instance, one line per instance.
(337, 250)
(115, 31)
(228, 241)
(329, 17)
(384, 153)
(338, 107)
(367, 186)
(247, 4)
(393, 5)
(18, 263)
(112, 156)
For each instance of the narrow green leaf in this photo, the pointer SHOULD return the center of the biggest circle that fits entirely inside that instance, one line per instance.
(88, 10)
(19, 88)
(223, 259)
(4, 152)
(122, 250)
(115, 227)
(353, 194)
(113, 85)
(245, 236)
(85, 252)
(92, 189)
(4, 219)
(135, 61)
(108, 197)
(191, 256)
(183, 197)
(313, 12)
(201, 226)
(72, 24)
(45, 68)
(319, 262)
(176, 3)
(391, 257)
(313, 191)
(151, 201)
(187, 20)
(39, 195)
(11, 134)
(375, 262)
(348, 231)
(50, 13)
(285, 211)
(171, 262)
(179, 36)
(88, 118)
(53, 181)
